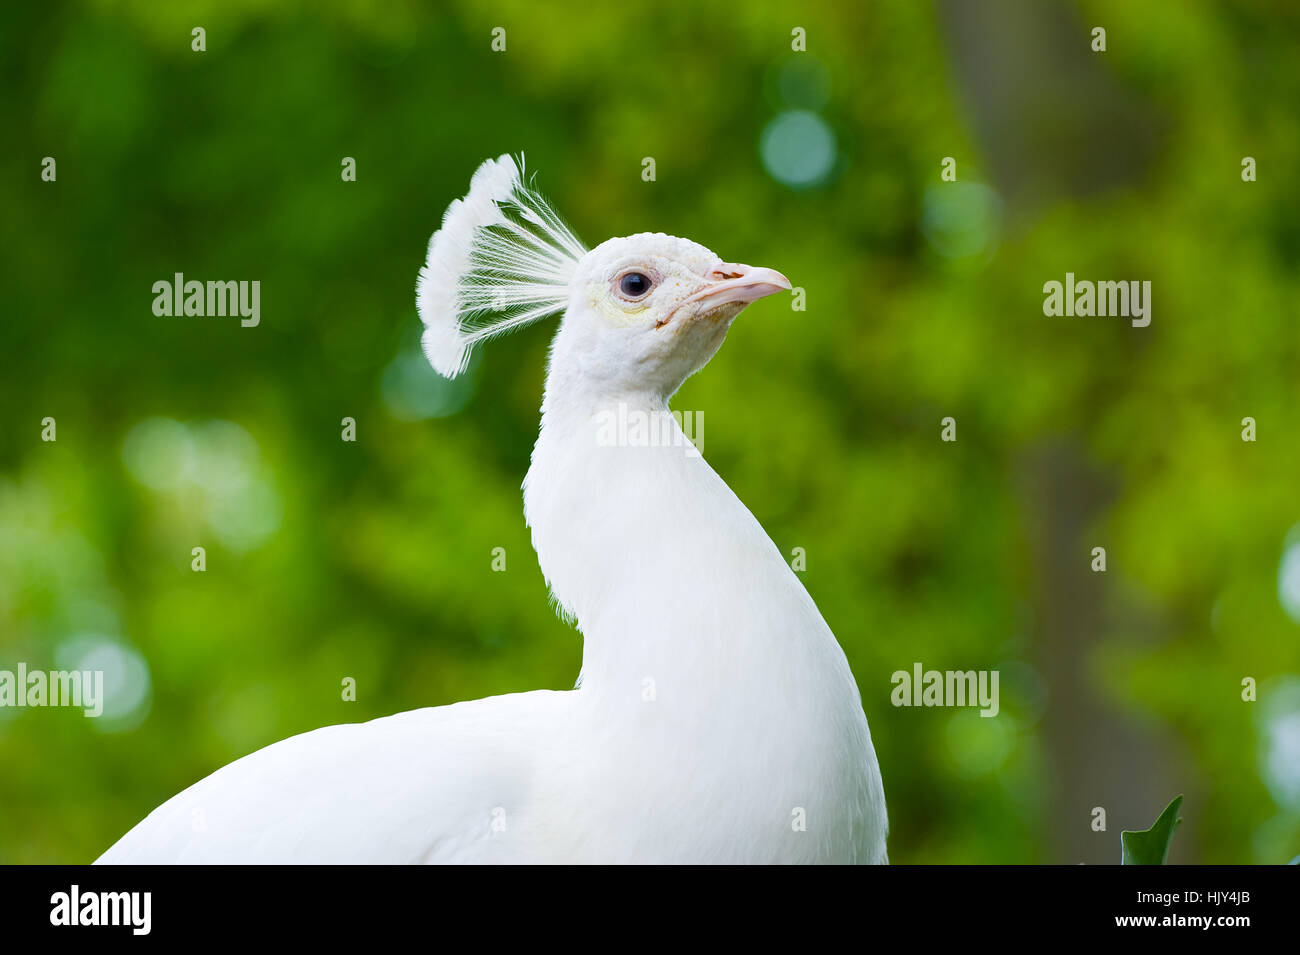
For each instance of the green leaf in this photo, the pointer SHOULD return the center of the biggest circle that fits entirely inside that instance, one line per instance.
(1151, 846)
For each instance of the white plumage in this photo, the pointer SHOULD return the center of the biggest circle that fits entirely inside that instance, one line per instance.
(502, 259)
(716, 718)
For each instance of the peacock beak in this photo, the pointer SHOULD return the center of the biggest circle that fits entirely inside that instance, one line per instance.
(733, 283)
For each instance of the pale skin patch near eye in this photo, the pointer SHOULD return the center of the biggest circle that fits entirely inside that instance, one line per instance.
(618, 312)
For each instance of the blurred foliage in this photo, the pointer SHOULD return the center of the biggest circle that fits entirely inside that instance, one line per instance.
(372, 559)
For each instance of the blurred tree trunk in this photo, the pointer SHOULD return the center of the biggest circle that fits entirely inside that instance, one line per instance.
(1047, 115)
(1097, 756)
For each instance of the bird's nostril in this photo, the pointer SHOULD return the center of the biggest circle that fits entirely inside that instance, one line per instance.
(724, 274)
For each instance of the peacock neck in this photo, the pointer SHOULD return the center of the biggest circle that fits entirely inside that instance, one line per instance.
(618, 499)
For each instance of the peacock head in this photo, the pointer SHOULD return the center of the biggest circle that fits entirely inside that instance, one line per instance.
(649, 310)
(641, 313)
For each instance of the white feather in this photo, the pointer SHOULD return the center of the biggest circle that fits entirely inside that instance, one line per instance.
(502, 259)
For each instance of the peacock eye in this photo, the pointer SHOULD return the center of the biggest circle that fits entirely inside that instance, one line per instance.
(635, 284)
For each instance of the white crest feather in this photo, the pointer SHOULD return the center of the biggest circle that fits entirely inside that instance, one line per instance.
(503, 258)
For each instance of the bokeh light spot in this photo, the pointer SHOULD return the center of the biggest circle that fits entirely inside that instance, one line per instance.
(213, 470)
(1280, 751)
(798, 148)
(128, 686)
(961, 220)
(978, 745)
(159, 453)
(413, 391)
(1288, 575)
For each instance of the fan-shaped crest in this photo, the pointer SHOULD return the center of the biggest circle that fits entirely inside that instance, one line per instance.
(503, 258)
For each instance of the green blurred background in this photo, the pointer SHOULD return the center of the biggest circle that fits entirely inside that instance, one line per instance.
(372, 559)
